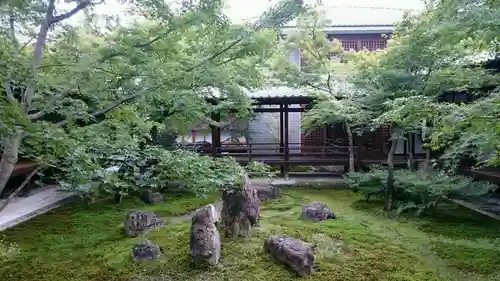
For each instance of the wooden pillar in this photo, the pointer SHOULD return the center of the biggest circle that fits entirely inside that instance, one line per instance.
(323, 140)
(215, 136)
(282, 139)
(214, 142)
(287, 149)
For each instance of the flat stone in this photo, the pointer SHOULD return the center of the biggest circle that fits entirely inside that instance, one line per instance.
(282, 182)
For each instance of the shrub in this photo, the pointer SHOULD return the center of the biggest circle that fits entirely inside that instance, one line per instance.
(153, 168)
(261, 169)
(417, 190)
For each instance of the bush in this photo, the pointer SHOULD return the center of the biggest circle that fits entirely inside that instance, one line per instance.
(261, 169)
(417, 190)
(153, 168)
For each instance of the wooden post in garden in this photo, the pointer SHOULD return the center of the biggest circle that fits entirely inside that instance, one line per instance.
(287, 148)
(282, 144)
(215, 136)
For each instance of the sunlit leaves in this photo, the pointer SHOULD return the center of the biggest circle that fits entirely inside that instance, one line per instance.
(99, 94)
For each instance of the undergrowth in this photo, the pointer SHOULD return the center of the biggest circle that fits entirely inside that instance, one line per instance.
(77, 243)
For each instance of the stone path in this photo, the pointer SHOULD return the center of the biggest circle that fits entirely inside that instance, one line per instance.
(25, 208)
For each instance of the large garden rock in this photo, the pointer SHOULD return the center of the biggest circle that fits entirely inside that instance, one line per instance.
(317, 211)
(204, 238)
(267, 192)
(141, 222)
(240, 210)
(296, 254)
(151, 197)
(145, 250)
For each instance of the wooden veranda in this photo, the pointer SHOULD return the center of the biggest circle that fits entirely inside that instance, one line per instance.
(323, 147)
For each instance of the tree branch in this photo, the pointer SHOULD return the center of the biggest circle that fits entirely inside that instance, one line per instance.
(101, 112)
(82, 5)
(328, 84)
(212, 57)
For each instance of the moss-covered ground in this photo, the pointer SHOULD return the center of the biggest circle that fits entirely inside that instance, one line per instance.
(87, 243)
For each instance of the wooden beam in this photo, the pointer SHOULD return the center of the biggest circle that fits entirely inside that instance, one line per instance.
(286, 135)
(276, 110)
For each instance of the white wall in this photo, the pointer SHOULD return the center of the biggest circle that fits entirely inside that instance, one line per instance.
(265, 129)
(295, 56)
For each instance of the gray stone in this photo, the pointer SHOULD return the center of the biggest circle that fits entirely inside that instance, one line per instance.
(204, 238)
(296, 254)
(145, 250)
(267, 192)
(283, 182)
(141, 222)
(151, 197)
(240, 210)
(317, 211)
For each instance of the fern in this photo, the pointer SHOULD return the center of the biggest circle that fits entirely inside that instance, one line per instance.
(417, 190)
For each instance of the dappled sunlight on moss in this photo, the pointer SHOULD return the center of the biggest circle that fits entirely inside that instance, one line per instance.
(86, 243)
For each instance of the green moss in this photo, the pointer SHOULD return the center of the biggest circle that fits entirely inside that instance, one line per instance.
(80, 243)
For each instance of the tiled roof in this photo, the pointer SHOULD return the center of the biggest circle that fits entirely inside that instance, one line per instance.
(352, 29)
(277, 92)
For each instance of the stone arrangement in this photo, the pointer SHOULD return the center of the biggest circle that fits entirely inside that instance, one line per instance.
(294, 253)
(240, 212)
(317, 211)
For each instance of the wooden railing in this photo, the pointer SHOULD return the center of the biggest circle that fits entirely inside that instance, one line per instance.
(281, 153)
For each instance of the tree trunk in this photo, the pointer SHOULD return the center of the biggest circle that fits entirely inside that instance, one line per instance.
(240, 210)
(350, 141)
(427, 161)
(390, 176)
(9, 157)
(5, 202)
(13, 142)
(427, 151)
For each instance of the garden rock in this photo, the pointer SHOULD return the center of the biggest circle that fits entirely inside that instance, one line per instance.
(240, 210)
(296, 254)
(141, 222)
(267, 192)
(317, 211)
(204, 238)
(151, 197)
(145, 250)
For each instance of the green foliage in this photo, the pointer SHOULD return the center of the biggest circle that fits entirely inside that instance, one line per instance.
(154, 167)
(440, 51)
(359, 245)
(98, 92)
(417, 190)
(323, 73)
(260, 170)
